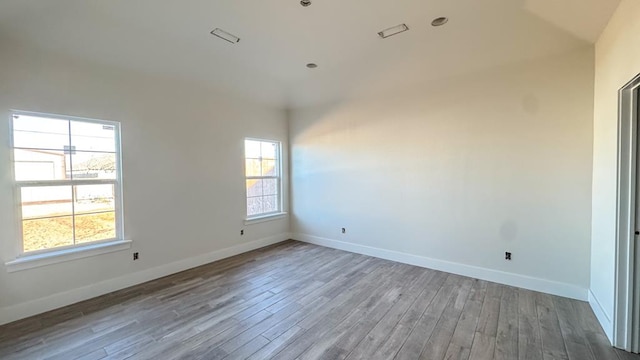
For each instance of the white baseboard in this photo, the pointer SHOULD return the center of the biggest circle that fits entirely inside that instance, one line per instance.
(522, 281)
(602, 316)
(55, 301)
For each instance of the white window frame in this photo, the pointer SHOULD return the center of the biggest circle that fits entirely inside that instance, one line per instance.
(25, 260)
(274, 215)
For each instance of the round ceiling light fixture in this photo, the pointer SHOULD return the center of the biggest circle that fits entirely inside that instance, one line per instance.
(312, 65)
(439, 21)
(305, 3)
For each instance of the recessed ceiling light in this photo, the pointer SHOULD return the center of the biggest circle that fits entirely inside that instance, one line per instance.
(305, 3)
(225, 35)
(312, 65)
(393, 31)
(439, 21)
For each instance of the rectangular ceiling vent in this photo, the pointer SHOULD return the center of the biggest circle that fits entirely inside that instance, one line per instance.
(225, 35)
(393, 31)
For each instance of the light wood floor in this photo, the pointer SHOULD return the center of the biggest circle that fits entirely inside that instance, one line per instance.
(299, 301)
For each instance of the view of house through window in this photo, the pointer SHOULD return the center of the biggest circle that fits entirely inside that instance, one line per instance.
(262, 171)
(67, 180)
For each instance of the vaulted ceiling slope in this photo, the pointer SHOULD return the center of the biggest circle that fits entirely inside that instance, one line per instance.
(279, 37)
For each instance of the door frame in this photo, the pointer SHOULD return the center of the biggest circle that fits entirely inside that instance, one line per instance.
(626, 321)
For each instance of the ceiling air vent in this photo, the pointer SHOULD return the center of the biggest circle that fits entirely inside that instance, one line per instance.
(393, 31)
(225, 35)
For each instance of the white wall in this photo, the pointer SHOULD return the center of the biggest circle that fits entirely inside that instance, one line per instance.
(182, 165)
(451, 177)
(617, 62)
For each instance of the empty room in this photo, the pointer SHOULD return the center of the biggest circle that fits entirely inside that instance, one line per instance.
(320, 179)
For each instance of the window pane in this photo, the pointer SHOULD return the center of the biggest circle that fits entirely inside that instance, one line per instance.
(40, 165)
(269, 168)
(270, 186)
(95, 227)
(90, 165)
(270, 204)
(92, 136)
(48, 149)
(252, 167)
(269, 150)
(94, 198)
(254, 206)
(254, 188)
(40, 133)
(251, 149)
(46, 201)
(40, 234)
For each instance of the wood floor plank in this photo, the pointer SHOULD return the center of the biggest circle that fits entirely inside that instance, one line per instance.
(441, 335)
(623, 355)
(132, 351)
(483, 348)
(550, 332)
(422, 331)
(277, 343)
(255, 331)
(291, 321)
(488, 321)
(248, 348)
(94, 355)
(529, 340)
(359, 323)
(295, 300)
(462, 339)
(402, 293)
(205, 344)
(336, 345)
(573, 335)
(507, 335)
(484, 339)
(369, 345)
(336, 310)
(82, 348)
(407, 323)
(595, 337)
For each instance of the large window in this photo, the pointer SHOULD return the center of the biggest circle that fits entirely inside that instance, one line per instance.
(263, 179)
(67, 180)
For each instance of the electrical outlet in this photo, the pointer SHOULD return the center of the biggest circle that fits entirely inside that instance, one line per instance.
(507, 256)
(344, 231)
(136, 256)
(241, 232)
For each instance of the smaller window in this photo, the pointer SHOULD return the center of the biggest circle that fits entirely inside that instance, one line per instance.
(262, 177)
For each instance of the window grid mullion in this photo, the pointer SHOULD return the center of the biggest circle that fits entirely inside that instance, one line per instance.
(73, 189)
(258, 196)
(62, 216)
(62, 150)
(43, 183)
(261, 182)
(46, 217)
(262, 177)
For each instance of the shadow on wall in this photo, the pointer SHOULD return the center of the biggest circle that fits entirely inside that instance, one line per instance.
(461, 171)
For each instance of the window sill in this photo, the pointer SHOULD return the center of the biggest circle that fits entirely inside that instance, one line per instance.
(264, 218)
(54, 257)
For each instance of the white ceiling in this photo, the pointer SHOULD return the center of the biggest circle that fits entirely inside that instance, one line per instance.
(278, 37)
